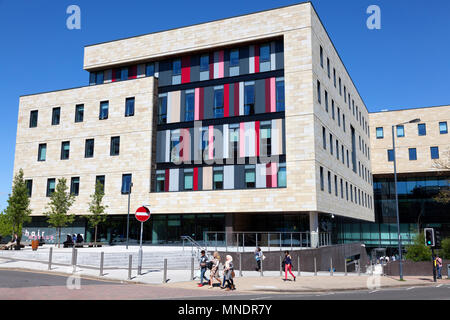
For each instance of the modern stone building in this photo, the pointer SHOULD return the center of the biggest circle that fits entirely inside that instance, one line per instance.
(230, 125)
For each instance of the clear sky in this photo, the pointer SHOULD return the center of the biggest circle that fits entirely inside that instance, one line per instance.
(405, 64)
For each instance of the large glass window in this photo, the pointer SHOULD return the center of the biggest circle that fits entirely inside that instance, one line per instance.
(434, 152)
(390, 154)
(218, 102)
(89, 148)
(124, 74)
(33, 119)
(400, 131)
(129, 107)
(150, 69)
(234, 58)
(264, 58)
(234, 140)
(56, 114)
(115, 146)
(250, 176)
(99, 77)
(65, 150)
(218, 178)
(422, 129)
(190, 105)
(188, 179)
(126, 183)
(280, 94)
(281, 177)
(162, 108)
(249, 98)
(29, 184)
(42, 150)
(412, 154)
(174, 145)
(75, 186)
(204, 67)
(104, 107)
(101, 180)
(443, 127)
(79, 113)
(176, 71)
(50, 186)
(266, 138)
(380, 133)
(160, 180)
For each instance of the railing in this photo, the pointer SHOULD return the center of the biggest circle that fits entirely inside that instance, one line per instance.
(239, 241)
(193, 244)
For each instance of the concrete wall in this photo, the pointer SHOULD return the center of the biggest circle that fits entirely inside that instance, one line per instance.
(411, 268)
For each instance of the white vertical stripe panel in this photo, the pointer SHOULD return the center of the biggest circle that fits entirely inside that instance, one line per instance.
(275, 137)
(216, 64)
(169, 107)
(225, 141)
(250, 145)
(251, 59)
(156, 69)
(261, 175)
(241, 98)
(167, 156)
(173, 179)
(228, 177)
(272, 56)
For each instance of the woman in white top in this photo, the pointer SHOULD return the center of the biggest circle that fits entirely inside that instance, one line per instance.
(214, 274)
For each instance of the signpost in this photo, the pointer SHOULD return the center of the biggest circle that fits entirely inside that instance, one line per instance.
(142, 214)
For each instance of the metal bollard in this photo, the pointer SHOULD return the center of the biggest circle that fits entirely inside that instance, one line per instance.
(50, 256)
(102, 259)
(262, 273)
(240, 264)
(345, 266)
(298, 262)
(74, 259)
(130, 263)
(281, 269)
(359, 267)
(192, 268)
(331, 266)
(315, 267)
(165, 272)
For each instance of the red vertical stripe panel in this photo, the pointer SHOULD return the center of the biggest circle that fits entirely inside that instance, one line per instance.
(202, 103)
(268, 175)
(257, 138)
(195, 178)
(226, 100)
(166, 184)
(185, 69)
(256, 58)
(236, 99)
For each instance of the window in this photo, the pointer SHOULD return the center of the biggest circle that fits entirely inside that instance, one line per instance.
(335, 186)
(218, 102)
(174, 145)
(190, 105)
(150, 69)
(234, 62)
(422, 129)
(346, 190)
(412, 154)
(434, 152)
(75, 186)
(126, 183)
(115, 146)
(443, 127)
(340, 87)
(334, 77)
(339, 116)
(342, 154)
(160, 180)
(249, 98)
(321, 179)
(56, 114)
(79, 112)
(280, 94)
(89, 148)
(42, 150)
(99, 77)
(162, 108)
(326, 100)
(50, 187)
(329, 182)
(188, 179)
(324, 138)
(234, 140)
(65, 150)
(218, 178)
(104, 106)
(281, 177)
(332, 109)
(250, 176)
(328, 68)
(176, 71)
(337, 149)
(343, 122)
(319, 99)
(33, 119)
(264, 58)
(266, 138)
(331, 143)
(129, 107)
(321, 56)
(390, 155)
(342, 189)
(380, 133)
(345, 94)
(204, 67)
(348, 160)
(400, 131)
(29, 184)
(101, 180)
(124, 74)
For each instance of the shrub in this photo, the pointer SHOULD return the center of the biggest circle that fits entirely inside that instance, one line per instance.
(418, 251)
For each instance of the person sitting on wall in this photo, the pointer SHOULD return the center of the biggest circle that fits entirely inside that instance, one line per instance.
(79, 238)
(68, 242)
(41, 241)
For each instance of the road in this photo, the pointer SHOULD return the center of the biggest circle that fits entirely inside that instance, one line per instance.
(24, 285)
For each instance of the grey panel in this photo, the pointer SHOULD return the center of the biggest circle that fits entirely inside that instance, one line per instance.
(260, 172)
(181, 180)
(191, 134)
(279, 54)
(260, 96)
(208, 102)
(231, 100)
(182, 105)
(200, 178)
(239, 178)
(165, 73)
(226, 63)
(160, 146)
(195, 68)
(228, 177)
(218, 142)
(243, 60)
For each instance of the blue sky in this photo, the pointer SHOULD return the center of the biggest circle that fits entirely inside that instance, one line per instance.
(403, 65)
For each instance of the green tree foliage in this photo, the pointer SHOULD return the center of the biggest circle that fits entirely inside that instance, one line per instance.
(96, 208)
(445, 248)
(60, 202)
(17, 212)
(418, 251)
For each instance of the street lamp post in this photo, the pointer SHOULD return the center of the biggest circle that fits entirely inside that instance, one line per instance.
(396, 198)
(128, 215)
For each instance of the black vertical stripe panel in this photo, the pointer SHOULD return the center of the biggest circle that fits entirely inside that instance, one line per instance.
(260, 96)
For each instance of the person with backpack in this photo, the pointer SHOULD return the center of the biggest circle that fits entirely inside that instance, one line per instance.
(287, 265)
(214, 267)
(203, 268)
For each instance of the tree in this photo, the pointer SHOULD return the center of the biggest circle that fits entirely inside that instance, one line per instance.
(17, 212)
(443, 164)
(96, 208)
(418, 251)
(445, 248)
(5, 225)
(59, 205)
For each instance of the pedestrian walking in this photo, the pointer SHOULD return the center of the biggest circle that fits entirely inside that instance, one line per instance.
(203, 268)
(439, 266)
(258, 257)
(229, 270)
(214, 274)
(287, 263)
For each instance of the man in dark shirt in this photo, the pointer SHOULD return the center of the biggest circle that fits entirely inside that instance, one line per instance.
(203, 268)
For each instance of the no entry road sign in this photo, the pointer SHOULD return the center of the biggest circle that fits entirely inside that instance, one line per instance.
(142, 214)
